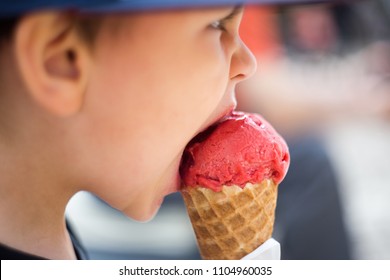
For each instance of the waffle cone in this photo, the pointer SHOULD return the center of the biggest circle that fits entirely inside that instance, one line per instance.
(233, 222)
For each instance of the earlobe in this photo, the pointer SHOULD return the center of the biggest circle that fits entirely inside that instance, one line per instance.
(54, 62)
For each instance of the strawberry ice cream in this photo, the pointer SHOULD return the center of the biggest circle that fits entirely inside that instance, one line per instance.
(243, 148)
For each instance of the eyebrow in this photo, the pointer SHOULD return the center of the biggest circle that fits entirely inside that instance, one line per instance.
(235, 11)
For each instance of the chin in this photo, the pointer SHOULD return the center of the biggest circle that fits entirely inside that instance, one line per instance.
(146, 210)
(148, 217)
(145, 215)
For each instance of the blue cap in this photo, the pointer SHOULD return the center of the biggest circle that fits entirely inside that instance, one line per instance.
(17, 7)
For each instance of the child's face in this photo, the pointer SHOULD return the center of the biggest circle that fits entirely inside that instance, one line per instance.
(158, 80)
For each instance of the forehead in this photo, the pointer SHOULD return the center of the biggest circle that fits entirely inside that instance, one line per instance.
(169, 15)
(147, 24)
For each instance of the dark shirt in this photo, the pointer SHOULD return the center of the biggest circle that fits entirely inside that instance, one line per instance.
(8, 253)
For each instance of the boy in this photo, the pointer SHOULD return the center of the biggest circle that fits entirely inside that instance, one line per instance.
(97, 97)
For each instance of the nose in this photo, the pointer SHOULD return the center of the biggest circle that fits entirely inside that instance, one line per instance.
(243, 63)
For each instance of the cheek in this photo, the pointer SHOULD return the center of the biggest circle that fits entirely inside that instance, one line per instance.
(142, 111)
(179, 88)
(202, 79)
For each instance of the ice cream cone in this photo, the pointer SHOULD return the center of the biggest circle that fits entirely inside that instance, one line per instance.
(233, 222)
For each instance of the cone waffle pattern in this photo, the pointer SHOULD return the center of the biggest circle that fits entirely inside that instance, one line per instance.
(232, 223)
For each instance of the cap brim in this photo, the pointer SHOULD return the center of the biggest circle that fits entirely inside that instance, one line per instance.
(138, 5)
(14, 8)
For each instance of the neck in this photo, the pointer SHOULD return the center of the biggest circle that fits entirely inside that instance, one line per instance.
(32, 206)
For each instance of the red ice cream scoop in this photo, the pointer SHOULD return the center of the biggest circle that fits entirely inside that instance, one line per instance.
(241, 149)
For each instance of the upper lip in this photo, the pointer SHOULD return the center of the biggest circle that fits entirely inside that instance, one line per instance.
(225, 114)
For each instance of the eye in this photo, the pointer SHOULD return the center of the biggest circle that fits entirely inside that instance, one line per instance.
(224, 23)
(219, 24)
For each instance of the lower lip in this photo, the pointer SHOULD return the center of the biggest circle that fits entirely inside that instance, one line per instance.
(175, 181)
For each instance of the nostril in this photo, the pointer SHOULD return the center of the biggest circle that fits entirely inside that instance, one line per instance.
(243, 64)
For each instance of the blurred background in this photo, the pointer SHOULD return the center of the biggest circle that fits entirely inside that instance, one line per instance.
(323, 81)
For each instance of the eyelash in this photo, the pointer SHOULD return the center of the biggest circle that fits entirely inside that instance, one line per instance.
(219, 24)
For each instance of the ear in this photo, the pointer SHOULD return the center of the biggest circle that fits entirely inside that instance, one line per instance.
(54, 61)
